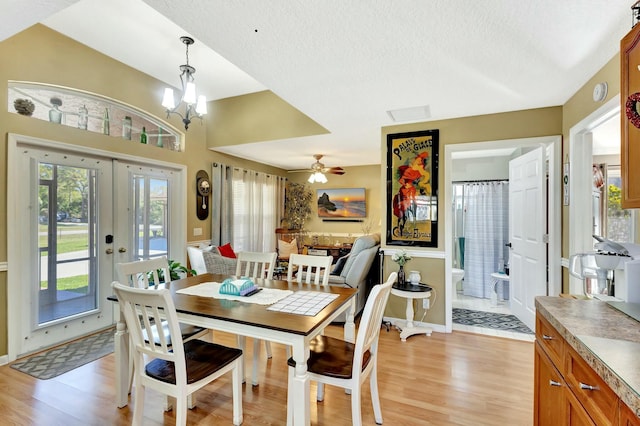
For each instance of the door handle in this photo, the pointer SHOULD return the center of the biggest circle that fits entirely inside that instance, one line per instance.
(508, 245)
(109, 251)
(122, 250)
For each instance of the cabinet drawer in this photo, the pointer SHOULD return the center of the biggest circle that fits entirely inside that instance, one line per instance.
(550, 340)
(594, 394)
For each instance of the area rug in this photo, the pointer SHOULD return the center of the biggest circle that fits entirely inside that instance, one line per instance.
(65, 358)
(489, 320)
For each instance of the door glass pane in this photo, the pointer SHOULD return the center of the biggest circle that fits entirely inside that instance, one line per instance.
(152, 216)
(67, 236)
(620, 223)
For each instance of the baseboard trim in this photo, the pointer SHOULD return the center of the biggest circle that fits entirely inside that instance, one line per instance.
(4, 359)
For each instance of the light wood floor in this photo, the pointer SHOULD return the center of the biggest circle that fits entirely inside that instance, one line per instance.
(445, 379)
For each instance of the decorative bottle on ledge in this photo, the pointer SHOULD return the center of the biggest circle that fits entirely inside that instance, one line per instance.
(126, 128)
(55, 115)
(143, 135)
(105, 122)
(83, 117)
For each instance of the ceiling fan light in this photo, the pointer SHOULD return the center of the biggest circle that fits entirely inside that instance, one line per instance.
(168, 101)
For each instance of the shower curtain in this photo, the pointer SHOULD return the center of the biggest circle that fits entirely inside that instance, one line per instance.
(486, 231)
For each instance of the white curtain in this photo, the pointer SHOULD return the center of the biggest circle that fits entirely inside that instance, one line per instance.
(258, 204)
(221, 205)
(486, 231)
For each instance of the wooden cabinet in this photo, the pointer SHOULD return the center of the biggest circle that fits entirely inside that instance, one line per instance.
(567, 391)
(630, 118)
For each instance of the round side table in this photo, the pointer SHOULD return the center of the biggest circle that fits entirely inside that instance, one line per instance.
(410, 292)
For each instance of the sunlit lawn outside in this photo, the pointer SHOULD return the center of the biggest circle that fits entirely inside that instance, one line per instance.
(68, 242)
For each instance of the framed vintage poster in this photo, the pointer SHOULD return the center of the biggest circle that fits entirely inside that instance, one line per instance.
(412, 189)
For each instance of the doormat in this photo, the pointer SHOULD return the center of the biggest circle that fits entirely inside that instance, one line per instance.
(489, 320)
(65, 358)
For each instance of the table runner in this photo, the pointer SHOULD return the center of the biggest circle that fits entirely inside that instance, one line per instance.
(267, 296)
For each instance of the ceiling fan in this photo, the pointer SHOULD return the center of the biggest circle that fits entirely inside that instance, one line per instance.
(318, 170)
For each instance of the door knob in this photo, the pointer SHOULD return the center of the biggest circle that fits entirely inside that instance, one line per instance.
(122, 250)
(109, 251)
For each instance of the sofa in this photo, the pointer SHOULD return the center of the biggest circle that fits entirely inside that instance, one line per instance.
(205, 259)
(353, 270)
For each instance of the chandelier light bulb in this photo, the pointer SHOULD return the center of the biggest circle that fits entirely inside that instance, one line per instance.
(190, 93)
(201, 106)
(168, 101)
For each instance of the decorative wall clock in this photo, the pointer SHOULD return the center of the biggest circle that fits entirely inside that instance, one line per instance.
(203, 190)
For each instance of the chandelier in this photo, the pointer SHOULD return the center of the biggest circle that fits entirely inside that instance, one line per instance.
(195, 107)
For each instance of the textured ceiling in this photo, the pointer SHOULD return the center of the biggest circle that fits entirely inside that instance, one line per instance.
(346, 63)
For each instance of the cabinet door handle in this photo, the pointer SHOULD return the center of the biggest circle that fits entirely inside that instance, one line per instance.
(554, 383)
(587, 387)
(547, 337)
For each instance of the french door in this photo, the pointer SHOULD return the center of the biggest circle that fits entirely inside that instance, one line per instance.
(72, 217)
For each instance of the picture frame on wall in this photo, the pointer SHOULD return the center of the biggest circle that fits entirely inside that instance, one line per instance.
(412, 188)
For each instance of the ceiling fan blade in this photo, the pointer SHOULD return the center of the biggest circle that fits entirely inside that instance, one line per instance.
(300, 171)
(336, 171)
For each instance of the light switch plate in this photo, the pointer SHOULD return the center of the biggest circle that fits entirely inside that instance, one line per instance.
(197, 231)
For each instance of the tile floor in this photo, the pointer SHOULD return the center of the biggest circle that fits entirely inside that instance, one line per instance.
(486, 305)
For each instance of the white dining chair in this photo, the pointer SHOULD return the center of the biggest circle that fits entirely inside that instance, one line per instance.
(171, 366)
(255, 265)
(347, 365)
(154, 274)
(309, 269)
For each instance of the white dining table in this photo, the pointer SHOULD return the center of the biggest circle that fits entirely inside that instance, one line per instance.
(250, 320)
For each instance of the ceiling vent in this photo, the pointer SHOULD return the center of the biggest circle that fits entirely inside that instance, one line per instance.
(419, 113)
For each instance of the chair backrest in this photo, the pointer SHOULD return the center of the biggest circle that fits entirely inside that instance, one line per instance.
(142, 308)
(255, 264)
(370, 322)
(136, 274)
(310, 269)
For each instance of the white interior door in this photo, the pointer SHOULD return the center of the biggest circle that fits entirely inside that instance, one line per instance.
(527, 229)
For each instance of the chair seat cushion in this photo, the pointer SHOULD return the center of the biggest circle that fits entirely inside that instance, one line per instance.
(202, 359)
(331, 357)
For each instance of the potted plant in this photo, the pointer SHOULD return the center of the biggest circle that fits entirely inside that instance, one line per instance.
(176, 271)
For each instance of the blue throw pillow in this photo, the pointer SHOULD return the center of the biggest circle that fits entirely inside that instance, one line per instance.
(337, 269)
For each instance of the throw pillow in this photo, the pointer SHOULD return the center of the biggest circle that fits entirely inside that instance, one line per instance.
(285, 249)
(207, 247)
(339, 265)
(227, 251)
(217, 264)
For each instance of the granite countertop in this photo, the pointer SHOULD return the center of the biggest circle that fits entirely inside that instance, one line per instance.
(606, 338)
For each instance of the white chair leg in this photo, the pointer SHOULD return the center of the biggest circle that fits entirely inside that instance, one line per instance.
(138, 405)
(267, 346)
(181, 411)
(191, 401)
(289, 397)
(320, 392)
(356, 414)
(254, 366)
(375, 396)
(237, 379)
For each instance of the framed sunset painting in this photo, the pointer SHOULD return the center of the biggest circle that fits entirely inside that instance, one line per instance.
(341, 203)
